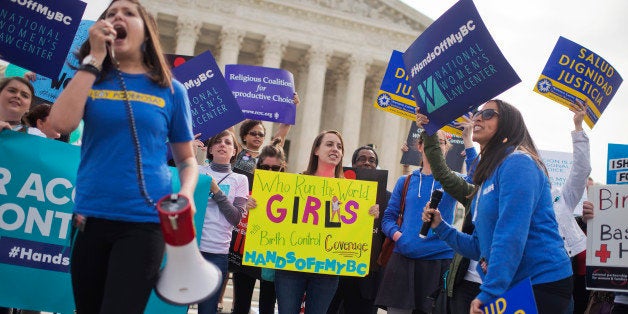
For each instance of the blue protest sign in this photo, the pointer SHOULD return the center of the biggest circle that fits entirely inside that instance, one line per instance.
(518, 299)
(49, 89)
(617, 166)
(262, 93)
(575, 72)
(36, 203)
(455, 66)
(37, 35)
(212, 104)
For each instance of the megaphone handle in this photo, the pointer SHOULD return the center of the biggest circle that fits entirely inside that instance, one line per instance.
(173, 221)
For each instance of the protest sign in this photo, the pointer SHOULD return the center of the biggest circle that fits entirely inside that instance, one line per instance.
(395, 93)
(36, 203)
(617, 167)
(574, 72)
(238, 235)
(455, 66)
(517, 300)
(212, 104)
(37, 35)
(47, 88)
(607, 258)
(262, 93)
(310, 224)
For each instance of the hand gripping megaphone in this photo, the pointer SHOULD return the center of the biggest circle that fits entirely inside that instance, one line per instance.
(187, 277)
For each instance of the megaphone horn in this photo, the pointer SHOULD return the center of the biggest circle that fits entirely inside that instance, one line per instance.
(187, 277)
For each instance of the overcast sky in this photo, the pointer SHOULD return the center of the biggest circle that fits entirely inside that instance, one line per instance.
(526, 32)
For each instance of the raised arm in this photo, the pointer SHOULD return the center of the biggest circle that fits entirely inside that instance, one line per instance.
(577, 180)
(284, 128)
(453, 184)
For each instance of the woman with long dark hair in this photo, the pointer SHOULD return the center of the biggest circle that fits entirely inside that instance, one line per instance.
(131, 106)
(516, 234)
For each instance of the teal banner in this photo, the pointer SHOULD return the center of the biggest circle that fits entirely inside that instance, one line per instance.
(37, 178)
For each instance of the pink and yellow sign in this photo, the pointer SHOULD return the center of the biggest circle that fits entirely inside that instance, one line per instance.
(310, 224)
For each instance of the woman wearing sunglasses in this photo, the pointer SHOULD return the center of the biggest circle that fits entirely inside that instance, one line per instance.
(252, 134)
(516, 234)
(271, 158)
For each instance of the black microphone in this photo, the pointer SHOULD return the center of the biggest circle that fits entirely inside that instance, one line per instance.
(437, 195)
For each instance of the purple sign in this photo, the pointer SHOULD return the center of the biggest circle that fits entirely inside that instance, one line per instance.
(263, 93)
(455, 66)
(38, 35)
(212, 104)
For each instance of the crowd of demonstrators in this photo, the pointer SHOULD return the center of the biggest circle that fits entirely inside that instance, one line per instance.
(272, 158)
(106, 232)
(513, 190)
(417, 265)
(227, 201)
(357, 294)
(516, 226)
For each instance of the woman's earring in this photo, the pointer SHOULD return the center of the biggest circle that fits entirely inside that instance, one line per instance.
(505, 140)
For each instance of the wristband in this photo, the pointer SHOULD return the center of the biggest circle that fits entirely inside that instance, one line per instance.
(89, 68)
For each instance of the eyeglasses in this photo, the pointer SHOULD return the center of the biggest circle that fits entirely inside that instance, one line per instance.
(268, 167)
(371, 160)
(486, 114)
(257, 134)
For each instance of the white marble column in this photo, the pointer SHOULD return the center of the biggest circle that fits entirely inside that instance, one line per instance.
(273, 49)
(230, 44)
(312, 104)
(352, 117)
(188, 30)
(390, 152)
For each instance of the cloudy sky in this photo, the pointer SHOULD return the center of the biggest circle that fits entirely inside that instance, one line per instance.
(526, 32)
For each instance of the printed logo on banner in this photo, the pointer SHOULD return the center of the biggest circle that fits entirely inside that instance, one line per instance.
(431, 94)
(38, 35)
(455, 66)
(575, 73)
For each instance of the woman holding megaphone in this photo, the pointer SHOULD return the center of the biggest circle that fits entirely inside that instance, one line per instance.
(131, 106)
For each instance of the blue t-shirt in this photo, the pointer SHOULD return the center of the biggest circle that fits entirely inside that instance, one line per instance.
(107, 184)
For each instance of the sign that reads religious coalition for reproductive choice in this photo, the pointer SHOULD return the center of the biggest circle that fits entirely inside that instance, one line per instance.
(37, 35)
(575, 73)
(455, 66)
(262, 93)
(310, 224)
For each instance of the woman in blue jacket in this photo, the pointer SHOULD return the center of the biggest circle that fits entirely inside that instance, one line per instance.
(416, 265)
(516, 233)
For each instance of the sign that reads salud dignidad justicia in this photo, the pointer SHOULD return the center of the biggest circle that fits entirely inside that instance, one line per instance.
(455, 66)
(37, 35)
(262, 93)
(310, 224)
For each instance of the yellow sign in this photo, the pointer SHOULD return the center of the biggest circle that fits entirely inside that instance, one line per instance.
(310, 224)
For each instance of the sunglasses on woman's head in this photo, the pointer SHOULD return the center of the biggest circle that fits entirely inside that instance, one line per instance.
(257, 134)
(486, 114)
(267, 167)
